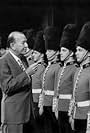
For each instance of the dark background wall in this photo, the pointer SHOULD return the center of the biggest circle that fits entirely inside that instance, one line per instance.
(23, 14)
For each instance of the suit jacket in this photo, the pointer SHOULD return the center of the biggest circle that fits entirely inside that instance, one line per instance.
(16, 89)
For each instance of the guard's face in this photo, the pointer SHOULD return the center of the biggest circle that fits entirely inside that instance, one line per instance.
(80, 53)
(36, 55)
(20, 45)
(64, 52)
(50, 54)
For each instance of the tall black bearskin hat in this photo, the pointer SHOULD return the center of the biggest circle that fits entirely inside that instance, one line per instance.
(84, 37)
(51, 35)
(39, 44)
(30, 35)
(69, 36)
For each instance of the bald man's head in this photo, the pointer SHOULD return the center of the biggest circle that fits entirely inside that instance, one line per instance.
(17, 42)
(14, 36)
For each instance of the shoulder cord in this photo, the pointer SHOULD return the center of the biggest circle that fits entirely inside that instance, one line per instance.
(56, 98)
(41, 104)
(44, 75)
(60, 77)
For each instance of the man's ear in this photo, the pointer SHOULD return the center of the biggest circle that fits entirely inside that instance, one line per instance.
(12, 45)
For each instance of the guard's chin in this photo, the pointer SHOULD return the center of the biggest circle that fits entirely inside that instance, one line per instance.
(78, 60)
(62, 59)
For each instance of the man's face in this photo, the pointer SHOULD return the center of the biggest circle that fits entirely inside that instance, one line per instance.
(20, 45)
(64, 53)
(80, 53)
(36, 55)
(50, 54)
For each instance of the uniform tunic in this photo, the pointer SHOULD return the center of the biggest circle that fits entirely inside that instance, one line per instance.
(50, 84)
(65, 92)
(37, 82)
(49, 120)
(36, 90)
(82, 98)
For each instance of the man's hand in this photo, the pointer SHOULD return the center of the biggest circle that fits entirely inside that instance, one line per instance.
(32, 69)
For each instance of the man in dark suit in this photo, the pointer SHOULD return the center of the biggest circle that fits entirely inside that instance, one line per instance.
(15, 80)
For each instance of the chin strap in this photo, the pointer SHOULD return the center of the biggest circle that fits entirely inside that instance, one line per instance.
(84, 57)
(53, 56)
(68, 56)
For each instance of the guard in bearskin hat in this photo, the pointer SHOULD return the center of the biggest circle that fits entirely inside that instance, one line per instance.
(51, 37)
(64, 82)
(39, 55)
(80, 108)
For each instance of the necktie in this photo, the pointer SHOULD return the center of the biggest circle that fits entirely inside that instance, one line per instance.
(21, 64)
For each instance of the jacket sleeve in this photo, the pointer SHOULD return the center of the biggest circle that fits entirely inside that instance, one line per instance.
(9, 83)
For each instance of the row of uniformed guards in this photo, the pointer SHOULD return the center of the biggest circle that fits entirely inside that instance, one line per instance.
(50, 123)
(47, 121)
(59, 78)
